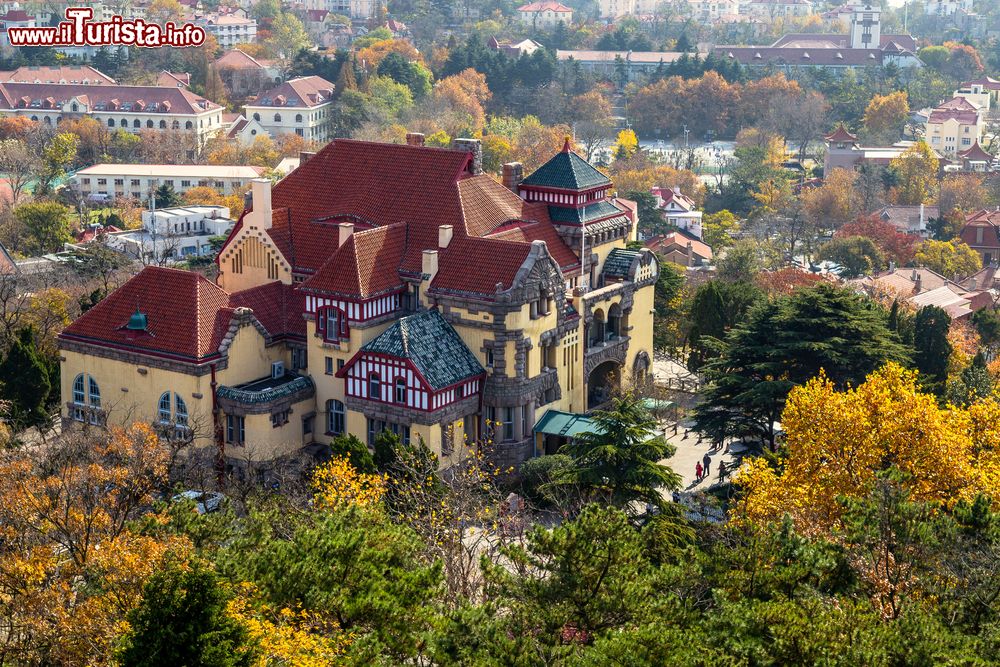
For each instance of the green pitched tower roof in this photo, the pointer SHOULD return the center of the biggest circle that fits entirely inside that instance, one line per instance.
(433, 346)
(567, 171)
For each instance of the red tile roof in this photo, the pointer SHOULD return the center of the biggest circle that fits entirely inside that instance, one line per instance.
(236, 59)
(55, 74)
(277, 306)
(367, 264)
(477, 265)
(841, 135)
(986, 82)
(975, 153)
(526, 232)
(376, 184)
(169, 99)
(544, 6)
(186, 314)
(957, 108)
(305, 91)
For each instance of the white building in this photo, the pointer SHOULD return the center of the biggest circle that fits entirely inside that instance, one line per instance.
(139, 181)
(946, 7)
(229, 29)
(679, 210)
(131, 108)
(545, 14)
(239, 128)
(768, 10)
(302, 106)
(174, 234)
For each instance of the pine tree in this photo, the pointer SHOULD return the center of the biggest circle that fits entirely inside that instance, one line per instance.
(25, 381)
(932, 348)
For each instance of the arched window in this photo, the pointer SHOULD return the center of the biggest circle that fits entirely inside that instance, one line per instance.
(298, 118)
(149, 124)
(256, 117)
(335, 417)
(111, 122)
(172, 412)
(86, 399)
(401, 390)
(136, 123)
(176, 125)
(188, 125)
(277, 118)
(124, 122)
(163, 124)
(374, 387)
(75, 107)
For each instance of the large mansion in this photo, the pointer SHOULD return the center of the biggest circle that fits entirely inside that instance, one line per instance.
(381, 286)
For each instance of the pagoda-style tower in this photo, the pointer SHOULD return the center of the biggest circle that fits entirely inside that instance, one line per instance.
(580, 205)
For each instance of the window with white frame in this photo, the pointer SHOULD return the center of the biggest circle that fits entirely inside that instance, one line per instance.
(86, 399)
(335, 417)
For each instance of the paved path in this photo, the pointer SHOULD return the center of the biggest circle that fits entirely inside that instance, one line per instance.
(688, 454)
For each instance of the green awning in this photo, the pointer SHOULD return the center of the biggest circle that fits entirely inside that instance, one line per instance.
(655, 404)
(565, 424)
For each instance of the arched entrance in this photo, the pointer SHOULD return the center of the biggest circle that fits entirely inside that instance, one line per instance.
(602, 382)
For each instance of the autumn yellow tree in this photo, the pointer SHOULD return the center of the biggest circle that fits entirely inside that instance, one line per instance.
(71, 567)
(337, 483)
(885, 117)
(962, 192)
(916, 174)
(949, 258)
(838, 441)
(207, 196)
(834, 203)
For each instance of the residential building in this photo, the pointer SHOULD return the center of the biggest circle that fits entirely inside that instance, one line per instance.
(131, 108)
(245, 76)
(983, 84)
(681, 248)
(381, 287)
(954, 126)
(545, 14)
(240, 128)
(523, 48)
(178, 79)
(909, 219)
(612, 9)
(607, 64)
(679, 210)
(981, 232)
(73, 74)
(946, 7)
(977, 159)
(863, 46)
(922, 287)
(711, 11)
(768, 10)
(173, 234)
(844, 151)
(229, 29)
(139, 181)
(302, 106)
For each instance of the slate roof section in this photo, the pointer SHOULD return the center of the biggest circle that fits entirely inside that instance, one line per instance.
(187, 315)
(619, 262)
(584, 215)
(567, 171)
(432, 345)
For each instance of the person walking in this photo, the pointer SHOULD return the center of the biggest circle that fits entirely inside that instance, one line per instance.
(707, 460)
(697, 471)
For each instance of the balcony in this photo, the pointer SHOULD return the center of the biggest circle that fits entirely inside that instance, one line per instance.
(265, 394)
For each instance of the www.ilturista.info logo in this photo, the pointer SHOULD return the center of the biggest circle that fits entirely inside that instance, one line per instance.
(79, 30)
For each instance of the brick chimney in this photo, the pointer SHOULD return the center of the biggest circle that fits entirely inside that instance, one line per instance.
(475, 147)
(513, 174)
(346, 229)
(260, 198)
(305, 156)
(445, 232)
(414, 139)
(429, 264)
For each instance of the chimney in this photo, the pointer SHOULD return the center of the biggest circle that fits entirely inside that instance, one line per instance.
(690, 249)
(414, 139)
(305, 156)
(475, 147)
(260, 198)
(922, 227)
(513, 174)
(916, 282)
(445, 233)
(429, 264)
(346, 229)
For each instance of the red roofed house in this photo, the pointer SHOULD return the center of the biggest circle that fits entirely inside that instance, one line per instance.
(302, 106)
(976, 158)
(679, 210)
(382, 287)
(982, 233)
(956, 125)
(545, 14)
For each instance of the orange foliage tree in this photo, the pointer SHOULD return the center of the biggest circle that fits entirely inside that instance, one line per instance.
(894, 244)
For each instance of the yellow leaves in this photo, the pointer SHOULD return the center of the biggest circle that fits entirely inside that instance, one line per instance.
(338, 484)
(838, 440)
(288, 637)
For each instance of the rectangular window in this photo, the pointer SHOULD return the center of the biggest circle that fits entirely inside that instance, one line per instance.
(279, 419)
(185, 184)
(329, 365)
(135, 181)
(307, 425)
(489, 358)
(102, 181)
(119, 181)
(235, 430)
(508, 423)
(340, 364)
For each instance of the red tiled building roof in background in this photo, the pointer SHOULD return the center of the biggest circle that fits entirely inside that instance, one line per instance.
(367, 264)
(841, 135)
(975, 153)
(545, 6)
(84, 74)
(305, 91)
(478, 265)
(167, 99)
(957, 108)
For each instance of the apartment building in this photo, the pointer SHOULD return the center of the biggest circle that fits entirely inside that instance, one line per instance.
(302, 106)
(139, 181)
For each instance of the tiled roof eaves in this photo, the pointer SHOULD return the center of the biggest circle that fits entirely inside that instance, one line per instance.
(100, 342)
